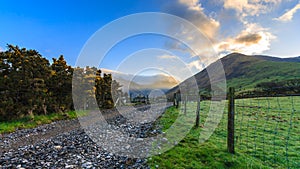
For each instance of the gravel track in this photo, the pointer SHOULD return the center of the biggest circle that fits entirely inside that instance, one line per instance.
(64, 144)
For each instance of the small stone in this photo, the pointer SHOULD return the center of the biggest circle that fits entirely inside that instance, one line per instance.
(69, 166)
(139, 139)
(57, 147)
(164, 140)
(87, 165)
(24, 161)
(127, 147)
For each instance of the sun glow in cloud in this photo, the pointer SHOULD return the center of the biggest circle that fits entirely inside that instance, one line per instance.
(193, 12)
(253, 40)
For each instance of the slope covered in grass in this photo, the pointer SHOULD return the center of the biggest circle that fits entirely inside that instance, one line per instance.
(244, 72)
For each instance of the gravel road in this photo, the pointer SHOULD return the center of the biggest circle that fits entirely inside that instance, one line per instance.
(64, 144)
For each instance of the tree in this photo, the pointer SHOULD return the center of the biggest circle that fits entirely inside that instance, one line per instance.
(60, 85)
(21, 70)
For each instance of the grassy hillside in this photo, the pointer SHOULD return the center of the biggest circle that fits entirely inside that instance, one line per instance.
(247, 71)
(244, 72)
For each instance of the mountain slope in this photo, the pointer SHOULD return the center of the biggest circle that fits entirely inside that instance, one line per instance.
(244, 72)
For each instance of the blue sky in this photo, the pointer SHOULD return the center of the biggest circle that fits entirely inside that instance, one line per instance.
(60, 27)
(269, 27)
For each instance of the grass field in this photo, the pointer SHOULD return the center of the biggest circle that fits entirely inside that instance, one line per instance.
(268, 129)
(28, 122)
(267, 136)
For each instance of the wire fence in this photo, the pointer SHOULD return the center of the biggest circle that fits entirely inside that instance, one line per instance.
(265, 128)
(268, 128)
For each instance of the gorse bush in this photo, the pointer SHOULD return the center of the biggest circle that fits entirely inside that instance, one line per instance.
(30, 85)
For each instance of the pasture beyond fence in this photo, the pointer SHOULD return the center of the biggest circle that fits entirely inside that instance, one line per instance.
(267, 128)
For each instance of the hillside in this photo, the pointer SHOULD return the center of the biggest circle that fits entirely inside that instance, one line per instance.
(244, 72)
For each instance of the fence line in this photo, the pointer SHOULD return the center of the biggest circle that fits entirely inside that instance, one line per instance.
(267, 128)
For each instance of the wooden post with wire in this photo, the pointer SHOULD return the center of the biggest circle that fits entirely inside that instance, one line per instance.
(230, 126)
(185, 101)
(198, 112)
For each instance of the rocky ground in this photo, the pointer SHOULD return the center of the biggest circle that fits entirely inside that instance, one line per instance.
(64, 144)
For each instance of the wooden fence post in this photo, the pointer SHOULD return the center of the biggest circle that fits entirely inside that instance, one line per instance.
(230, 126)
(177, 100)
(198, 112)
(185, 100)
(174, 100)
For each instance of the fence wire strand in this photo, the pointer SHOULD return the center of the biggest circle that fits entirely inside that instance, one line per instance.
(268, 128)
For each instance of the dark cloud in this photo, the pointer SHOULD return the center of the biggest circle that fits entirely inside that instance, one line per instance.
(249, 38)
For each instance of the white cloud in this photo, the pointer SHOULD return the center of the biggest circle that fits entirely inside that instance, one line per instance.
(193, 12)
(166, 57)
(246, 8)
(288, 16)
(200, 38)
(1, 49)
(197, 64)
(253, 40)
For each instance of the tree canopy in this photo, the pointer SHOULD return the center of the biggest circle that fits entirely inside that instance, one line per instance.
(30, 85)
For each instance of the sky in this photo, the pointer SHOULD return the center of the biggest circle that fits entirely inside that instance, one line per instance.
(267, 27)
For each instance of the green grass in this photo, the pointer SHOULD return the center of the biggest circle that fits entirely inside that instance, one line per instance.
(256, 137)
(268, 128)
(28, 122)
(264, 71)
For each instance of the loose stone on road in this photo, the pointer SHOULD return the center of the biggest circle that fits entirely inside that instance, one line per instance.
(65, 144)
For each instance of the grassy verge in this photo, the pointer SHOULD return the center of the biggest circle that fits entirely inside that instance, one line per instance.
(189, 153)
(27, 122)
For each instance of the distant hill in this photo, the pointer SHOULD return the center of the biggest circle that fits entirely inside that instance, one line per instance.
(244, 72)
(143, 85)
(276, 59)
